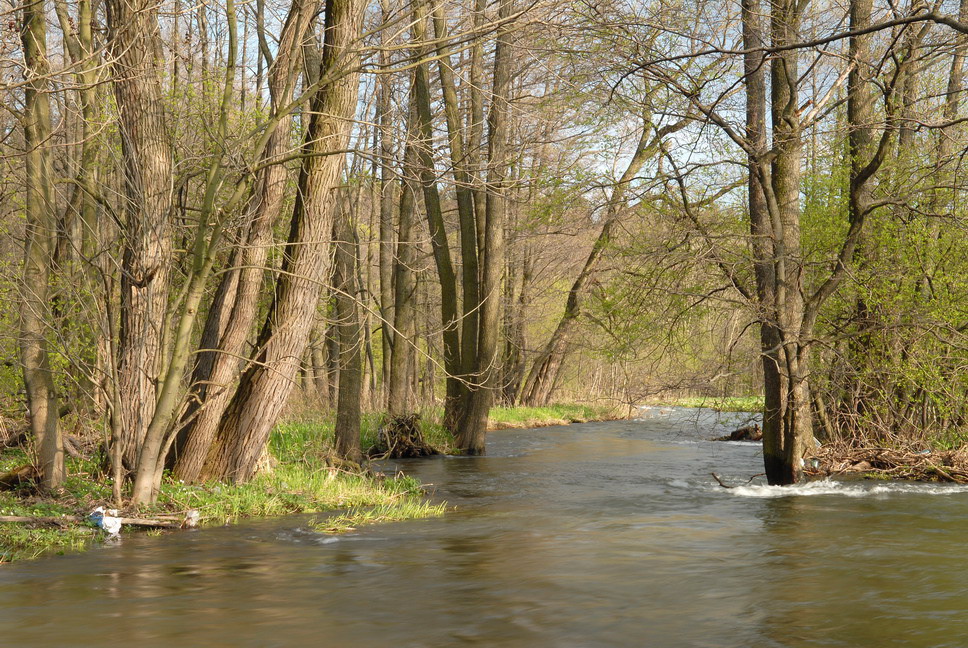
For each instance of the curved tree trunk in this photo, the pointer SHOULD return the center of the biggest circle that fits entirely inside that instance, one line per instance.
(265, 386)
(544, 371)
(230, 319)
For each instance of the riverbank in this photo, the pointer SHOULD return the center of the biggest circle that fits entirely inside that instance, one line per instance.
(717, 403)
(504, 418)
(302, 479)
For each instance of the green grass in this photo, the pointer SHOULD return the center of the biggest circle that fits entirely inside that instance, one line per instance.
(300, 482)
(718, 403)
(558, 414)
(20, 541)
(394, 512)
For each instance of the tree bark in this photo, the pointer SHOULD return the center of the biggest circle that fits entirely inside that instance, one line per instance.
(230, 319)
(404, 286)
(347, 427)
(472, 430)
(438, 233)
(134, 42)
(761, 234)
(40, 233)
(265, 386)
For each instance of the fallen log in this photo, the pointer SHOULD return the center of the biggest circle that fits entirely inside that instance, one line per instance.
(18, 476)
(75, 519)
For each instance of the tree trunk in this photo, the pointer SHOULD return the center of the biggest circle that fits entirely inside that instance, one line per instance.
(265, 385)
(783, 452)
(472, 431)
(40, 231)
(384, 128)
(438, 232)
(347, 428)
(470, 288)
(544, 372)
(230, 320)
(134, 42)
(404, 286)
(761, 233)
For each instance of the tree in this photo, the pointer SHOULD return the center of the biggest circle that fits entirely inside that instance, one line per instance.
(265, 385)
(40, 230)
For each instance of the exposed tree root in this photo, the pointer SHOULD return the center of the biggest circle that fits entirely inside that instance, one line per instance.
(748, 433)
(400, 438)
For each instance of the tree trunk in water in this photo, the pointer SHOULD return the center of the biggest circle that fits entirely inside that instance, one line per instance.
(472, 432)
(347, 428)
(231, 317)
(783, 452)
(761, 233)
(40, 229)
(266, 385)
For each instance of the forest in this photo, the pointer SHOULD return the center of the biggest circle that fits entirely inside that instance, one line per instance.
(217, 213)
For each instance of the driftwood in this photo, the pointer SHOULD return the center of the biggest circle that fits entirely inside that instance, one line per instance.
(748, 433)
(895, 463)
(400, 438)
(159, 522)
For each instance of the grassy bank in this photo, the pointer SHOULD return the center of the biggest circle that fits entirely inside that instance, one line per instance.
(501, 418)
(300, 481)
(718, 403)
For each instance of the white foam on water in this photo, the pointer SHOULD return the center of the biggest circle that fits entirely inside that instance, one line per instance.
(846, 489)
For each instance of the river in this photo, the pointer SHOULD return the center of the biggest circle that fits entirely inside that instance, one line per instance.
(602, 534)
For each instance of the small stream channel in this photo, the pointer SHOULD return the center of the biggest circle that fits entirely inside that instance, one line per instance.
(602, 534)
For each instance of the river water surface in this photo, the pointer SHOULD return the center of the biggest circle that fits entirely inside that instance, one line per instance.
(603, 534)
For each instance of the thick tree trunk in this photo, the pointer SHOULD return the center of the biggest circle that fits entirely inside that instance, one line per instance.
(40, 232)
(266, 385)
(228, 328)
(783, 451)
(134, 42)
(207, 234)
(761, 233)
(472, 430)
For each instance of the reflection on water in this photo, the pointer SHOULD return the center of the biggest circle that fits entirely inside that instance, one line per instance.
(607, 534)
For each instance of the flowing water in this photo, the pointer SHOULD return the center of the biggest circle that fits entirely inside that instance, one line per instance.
(603, 534)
